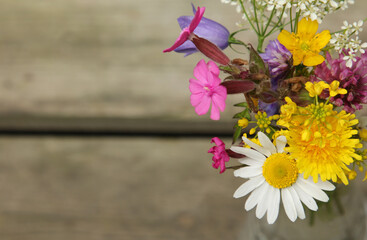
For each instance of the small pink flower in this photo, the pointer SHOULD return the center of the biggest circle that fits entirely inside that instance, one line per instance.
(207, 90)
(220, 155)
(188, 32)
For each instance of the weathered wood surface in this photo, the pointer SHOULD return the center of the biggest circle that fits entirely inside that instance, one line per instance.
(123, 189)
(104, 58)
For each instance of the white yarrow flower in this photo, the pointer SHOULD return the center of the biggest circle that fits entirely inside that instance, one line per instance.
(273, 176)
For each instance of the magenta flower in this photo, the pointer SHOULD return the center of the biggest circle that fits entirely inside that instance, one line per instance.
(353, 79)
(220, 155)
(207, 90)
(187, 32)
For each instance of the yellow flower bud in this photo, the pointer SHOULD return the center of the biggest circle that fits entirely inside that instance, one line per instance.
(306, 134)
(243, 123)
(352, 175)
(363, 134)
(252, 131)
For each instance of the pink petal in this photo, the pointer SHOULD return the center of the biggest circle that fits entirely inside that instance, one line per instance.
(197, 18)
(217, 141)
(203, 106)
(184, 35)
(219, 101)
(195, 86)
(222, 91)
(214, 113)
(213, 80)
(195, 99)
(213, 68)
(201, 71)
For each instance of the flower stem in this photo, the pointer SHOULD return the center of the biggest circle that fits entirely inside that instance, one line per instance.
(256, 19)
(247, 17)
(260, 43)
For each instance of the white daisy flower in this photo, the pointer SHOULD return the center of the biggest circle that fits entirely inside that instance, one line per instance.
(273, 175)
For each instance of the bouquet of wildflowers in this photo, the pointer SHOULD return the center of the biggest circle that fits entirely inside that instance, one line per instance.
(297, 135)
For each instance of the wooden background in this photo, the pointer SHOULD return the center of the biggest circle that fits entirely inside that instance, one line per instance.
(97, 65)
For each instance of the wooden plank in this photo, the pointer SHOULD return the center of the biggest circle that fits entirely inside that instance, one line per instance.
(103, 58)
(127, 188)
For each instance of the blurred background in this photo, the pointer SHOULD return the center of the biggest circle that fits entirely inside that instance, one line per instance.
(98, 137)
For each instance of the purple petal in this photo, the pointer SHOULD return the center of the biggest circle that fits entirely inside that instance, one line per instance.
(208, 29)
(187, 47)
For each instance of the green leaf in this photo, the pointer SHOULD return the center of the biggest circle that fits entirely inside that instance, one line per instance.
(257, 65)
(242, 104)
(237, 133)
(244, 114)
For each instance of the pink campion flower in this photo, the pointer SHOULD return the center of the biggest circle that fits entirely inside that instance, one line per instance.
(220, 155)
(187, 32)
(207, 90)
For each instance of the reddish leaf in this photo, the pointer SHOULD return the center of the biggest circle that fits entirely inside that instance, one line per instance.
(238, 86)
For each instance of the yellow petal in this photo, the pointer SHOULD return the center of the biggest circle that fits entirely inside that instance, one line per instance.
(307, 28)
(320, 40)
(313, 60)
(298, 56)
(287, 39)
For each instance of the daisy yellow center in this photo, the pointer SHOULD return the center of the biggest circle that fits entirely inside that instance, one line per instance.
(280, 170)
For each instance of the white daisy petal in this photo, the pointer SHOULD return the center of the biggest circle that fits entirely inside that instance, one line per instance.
(262, 206)
(324, 185)
(248, 186)
(281, 141)
(297, 203)
(248, 172)
(312, 190)
(305, 198)
(251, 162)
(274, 207)
(266, 143)
(248, 152)
(255, 197)
(288, 204)
(262, 150)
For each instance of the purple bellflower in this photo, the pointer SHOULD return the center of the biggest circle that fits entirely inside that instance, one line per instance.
(208, 29)
(206, 47)
(279, 60)
(188, 32)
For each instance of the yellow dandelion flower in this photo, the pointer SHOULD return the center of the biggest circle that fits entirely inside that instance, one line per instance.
(320, 139)
(305, 45)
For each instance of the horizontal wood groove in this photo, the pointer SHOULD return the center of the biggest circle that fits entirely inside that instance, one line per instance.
(107, 126)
